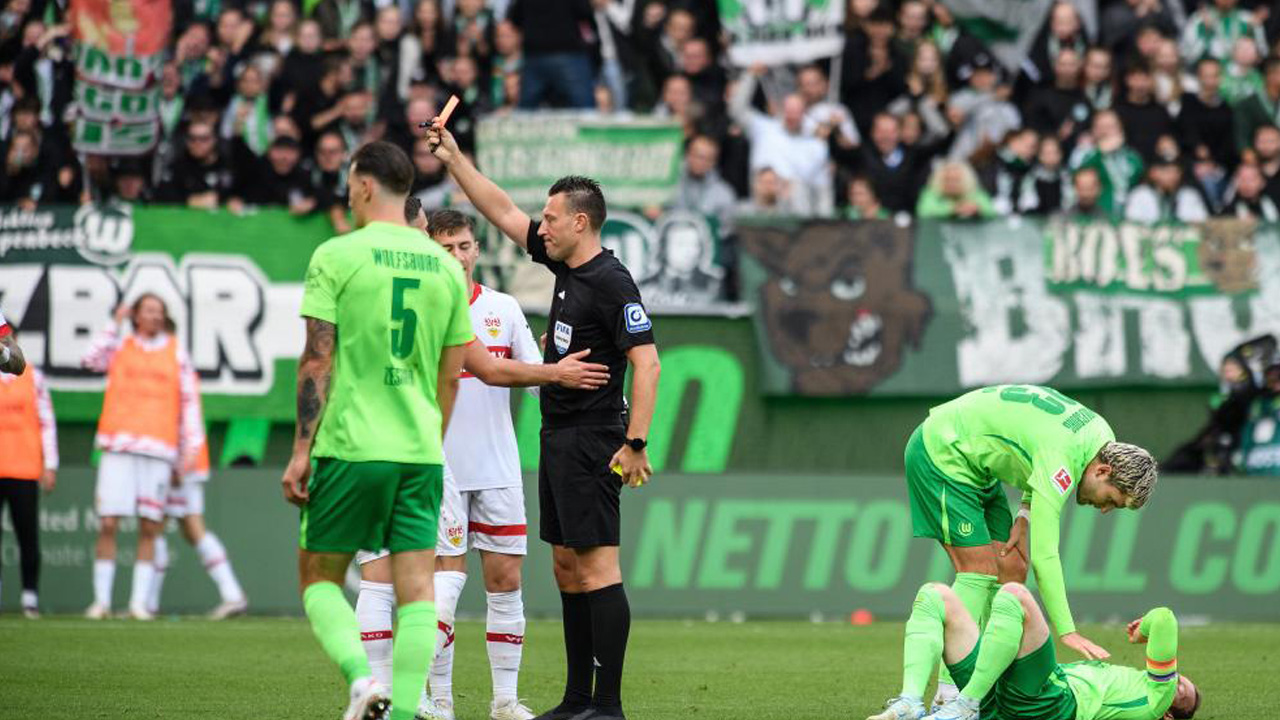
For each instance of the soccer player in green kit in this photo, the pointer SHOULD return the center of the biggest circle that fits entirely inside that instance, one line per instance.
(387, 324)
(1012, 662)
(1040, 441)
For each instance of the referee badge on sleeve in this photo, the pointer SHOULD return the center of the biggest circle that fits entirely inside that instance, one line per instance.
(637, 319)
(563, 335)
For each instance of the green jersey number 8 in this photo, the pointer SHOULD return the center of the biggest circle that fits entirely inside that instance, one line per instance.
(1042, 398)
(402, 337)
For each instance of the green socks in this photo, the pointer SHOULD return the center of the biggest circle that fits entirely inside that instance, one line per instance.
(334, 623)
(922, 644)
(999, 648)
(415, 643)
(974, 591)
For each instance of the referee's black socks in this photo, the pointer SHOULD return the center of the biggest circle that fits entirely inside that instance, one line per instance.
(576, 609)
(610, 625)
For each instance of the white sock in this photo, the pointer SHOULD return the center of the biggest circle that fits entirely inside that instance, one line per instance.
(214, 557)
(161, 563)
(143, 574)
(104, 576)
(504, 635)
(375, 611)
(29, 600)
(946, 693)
(448, 589)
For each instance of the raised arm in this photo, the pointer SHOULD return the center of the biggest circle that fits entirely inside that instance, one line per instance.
(488, 198)
(1159, 630)
(570, 372)
(315, 369)
(104, 345)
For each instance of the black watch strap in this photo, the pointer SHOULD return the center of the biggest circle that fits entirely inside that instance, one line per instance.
(637, 444)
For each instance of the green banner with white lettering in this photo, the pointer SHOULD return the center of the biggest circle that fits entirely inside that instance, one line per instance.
(876, 308)
(701, 546)
(635, 160)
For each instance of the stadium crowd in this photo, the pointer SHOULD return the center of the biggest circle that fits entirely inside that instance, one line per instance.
(1163, 111)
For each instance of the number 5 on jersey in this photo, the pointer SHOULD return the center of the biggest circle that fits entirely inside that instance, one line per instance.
(402, 337)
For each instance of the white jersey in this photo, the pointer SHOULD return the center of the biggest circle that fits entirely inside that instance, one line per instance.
(481, 442)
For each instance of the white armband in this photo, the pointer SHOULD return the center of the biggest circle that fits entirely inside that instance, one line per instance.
(1025, 512)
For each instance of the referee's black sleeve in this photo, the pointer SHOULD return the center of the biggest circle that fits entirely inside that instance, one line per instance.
(622, 310)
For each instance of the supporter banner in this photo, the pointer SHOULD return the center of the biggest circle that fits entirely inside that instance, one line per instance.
(636, 161)
(756, 545)
(1008, 27)
(232, 284)
(774, 32)
(848, 308)
(119, 57)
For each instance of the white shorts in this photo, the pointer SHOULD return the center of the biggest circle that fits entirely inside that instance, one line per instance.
(132, 485)
(491, 520)
(186, 499)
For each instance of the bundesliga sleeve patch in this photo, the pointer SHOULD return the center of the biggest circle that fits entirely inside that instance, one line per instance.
(637, 319)
(1062, 481)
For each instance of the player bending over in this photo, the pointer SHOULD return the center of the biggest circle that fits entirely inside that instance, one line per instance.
(1035, 439)
(1012, 662)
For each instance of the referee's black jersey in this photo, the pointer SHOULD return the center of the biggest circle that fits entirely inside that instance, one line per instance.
(596, 305)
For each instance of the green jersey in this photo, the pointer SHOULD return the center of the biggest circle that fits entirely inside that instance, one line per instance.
(1113, 692)
(398, 300)
(1031, 437)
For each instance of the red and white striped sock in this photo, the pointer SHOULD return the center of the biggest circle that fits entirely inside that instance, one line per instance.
(448, 589)
(375, 610)
(504, 632)
(214, 557)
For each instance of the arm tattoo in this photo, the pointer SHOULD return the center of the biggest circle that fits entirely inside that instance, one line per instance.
(315, 367)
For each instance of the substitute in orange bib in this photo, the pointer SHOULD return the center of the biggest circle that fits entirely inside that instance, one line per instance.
(151, 426)
(29, 461)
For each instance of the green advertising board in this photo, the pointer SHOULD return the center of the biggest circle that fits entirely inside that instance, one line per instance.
(762, 545)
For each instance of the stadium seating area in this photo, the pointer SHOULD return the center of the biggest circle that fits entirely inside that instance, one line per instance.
(1146, 110)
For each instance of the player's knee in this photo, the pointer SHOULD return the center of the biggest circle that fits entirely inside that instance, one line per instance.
(1017, 590)
(108, 525)
(502, 579)
(942, 589)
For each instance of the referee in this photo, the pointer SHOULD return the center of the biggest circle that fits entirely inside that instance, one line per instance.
(596, 306)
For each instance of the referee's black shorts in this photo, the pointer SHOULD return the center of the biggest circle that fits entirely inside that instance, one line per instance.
(578, 494)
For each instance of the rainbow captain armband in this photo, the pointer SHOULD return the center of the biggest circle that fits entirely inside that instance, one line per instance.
(1162, 671)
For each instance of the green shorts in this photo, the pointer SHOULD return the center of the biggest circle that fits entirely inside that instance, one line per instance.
(1032, 688)
(955, 513)
(360, 505)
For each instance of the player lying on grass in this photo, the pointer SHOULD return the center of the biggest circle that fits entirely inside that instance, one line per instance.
(1012, 661)
(1045, 444)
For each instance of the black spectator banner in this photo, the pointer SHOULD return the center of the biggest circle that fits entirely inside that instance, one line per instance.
(774, 32)
(119, 57)
(853, 308)
(636, 161)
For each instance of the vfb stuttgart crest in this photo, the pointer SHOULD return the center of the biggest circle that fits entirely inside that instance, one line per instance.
(493, 325)
(455, 535)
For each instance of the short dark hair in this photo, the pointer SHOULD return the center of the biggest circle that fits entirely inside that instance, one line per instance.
(582, 195)
(444, 223)
(385, 163)
(1187, 714)
(412, 206)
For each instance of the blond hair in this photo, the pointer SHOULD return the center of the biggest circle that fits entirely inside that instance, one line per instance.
(1133, 471)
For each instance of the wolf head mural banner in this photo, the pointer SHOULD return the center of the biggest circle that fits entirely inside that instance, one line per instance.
(837, 308)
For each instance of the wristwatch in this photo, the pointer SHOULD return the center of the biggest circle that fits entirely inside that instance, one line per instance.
(637, 444)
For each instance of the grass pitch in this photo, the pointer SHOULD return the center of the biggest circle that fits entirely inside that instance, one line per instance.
(273, 669)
